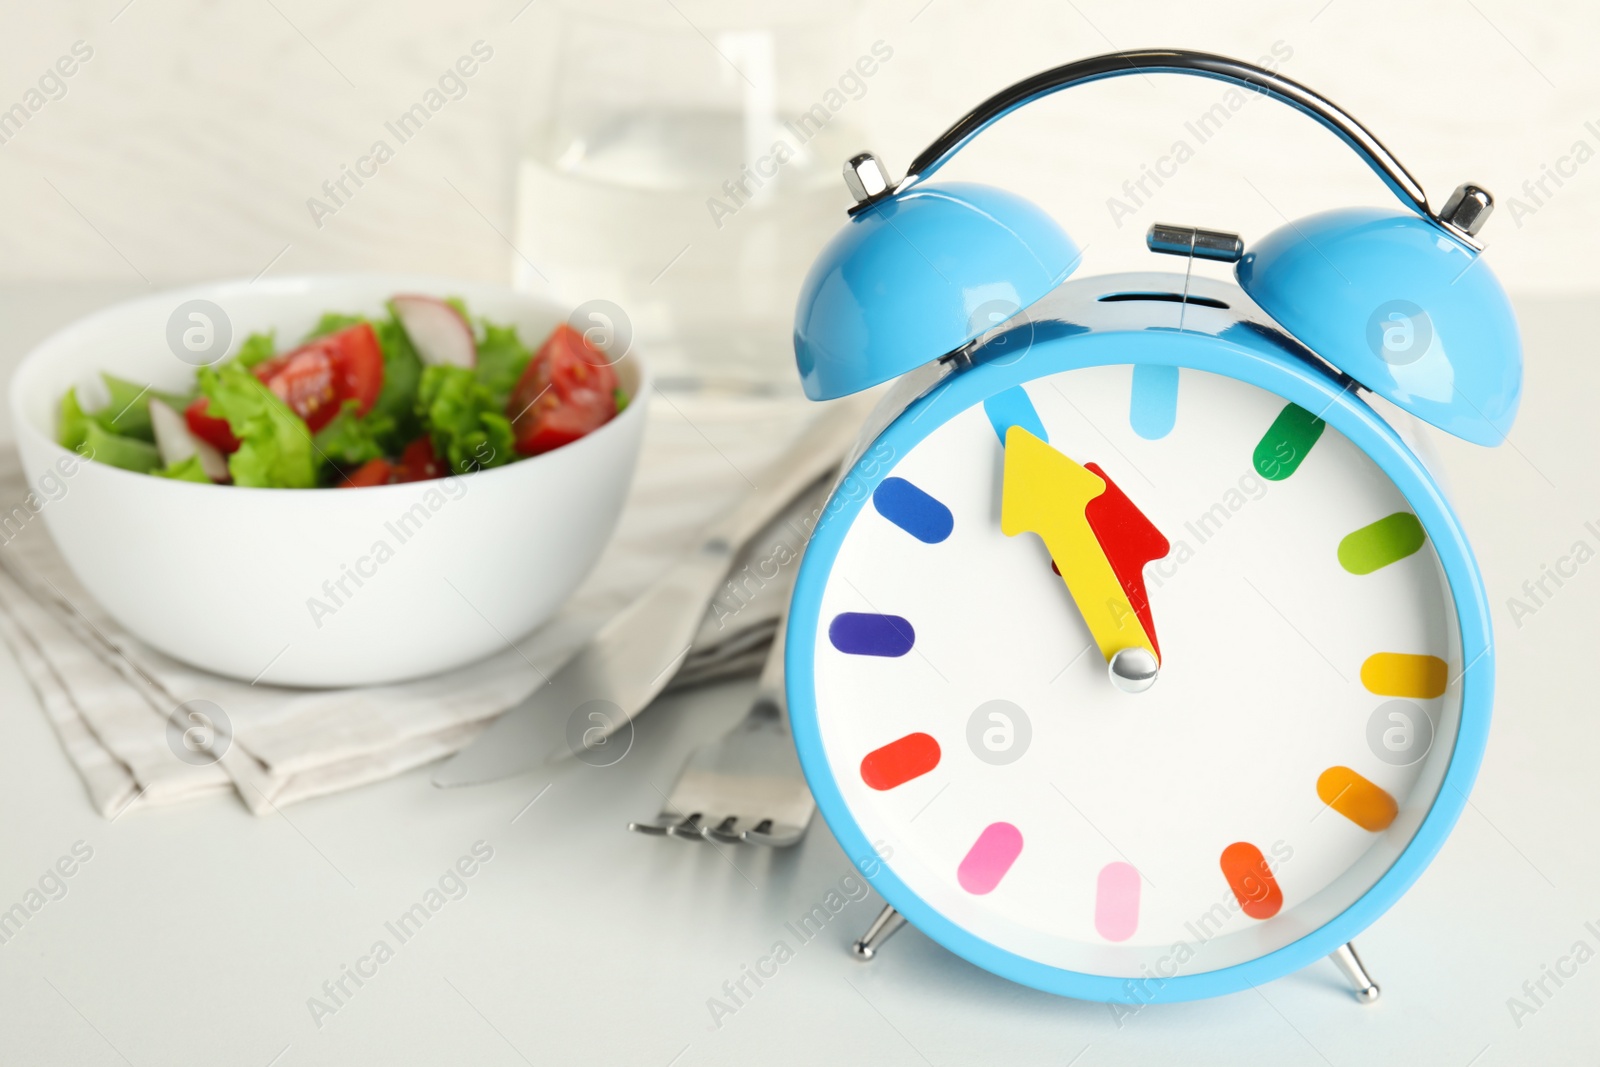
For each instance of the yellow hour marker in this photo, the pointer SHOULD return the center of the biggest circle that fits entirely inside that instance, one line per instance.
(1404, 674)
(1357, 799)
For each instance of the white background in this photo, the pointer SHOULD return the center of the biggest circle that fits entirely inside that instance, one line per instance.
(193, 138)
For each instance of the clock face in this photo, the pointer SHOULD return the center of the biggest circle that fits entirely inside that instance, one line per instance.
(1299, 725)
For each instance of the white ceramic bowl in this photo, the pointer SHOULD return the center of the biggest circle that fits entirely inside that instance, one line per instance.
(317, 587)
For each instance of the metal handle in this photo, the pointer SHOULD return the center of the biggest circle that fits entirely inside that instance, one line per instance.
(1171, 61)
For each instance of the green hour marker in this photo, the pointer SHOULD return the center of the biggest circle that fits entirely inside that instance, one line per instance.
(1287, 442)
(1382, 543)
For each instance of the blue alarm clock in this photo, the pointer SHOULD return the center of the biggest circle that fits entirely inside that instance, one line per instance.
(1136, 656)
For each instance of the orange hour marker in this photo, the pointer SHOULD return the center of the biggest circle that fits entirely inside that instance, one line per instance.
(1402, 674)
(1251, 880)
(1357, 799)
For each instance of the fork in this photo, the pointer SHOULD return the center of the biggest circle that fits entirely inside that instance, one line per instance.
(746, 785)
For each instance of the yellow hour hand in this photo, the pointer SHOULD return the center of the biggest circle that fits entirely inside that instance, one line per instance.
(1046, 493)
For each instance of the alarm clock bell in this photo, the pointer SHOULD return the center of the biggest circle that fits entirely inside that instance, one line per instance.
(1394, 299)
(1402, 306)
(908, 279)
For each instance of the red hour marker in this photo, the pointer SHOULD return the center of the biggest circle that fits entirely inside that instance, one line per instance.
(899, 761)
(1251, 880)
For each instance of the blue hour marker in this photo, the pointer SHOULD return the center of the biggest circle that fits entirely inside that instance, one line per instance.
(1011, 407)
(860, 633)
(914, 511)
(1153, 407)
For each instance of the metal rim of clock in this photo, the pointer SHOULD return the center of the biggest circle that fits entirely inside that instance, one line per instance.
(1462, 216)
(1312, 389)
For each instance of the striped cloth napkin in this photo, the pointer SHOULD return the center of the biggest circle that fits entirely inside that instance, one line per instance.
(115, 703)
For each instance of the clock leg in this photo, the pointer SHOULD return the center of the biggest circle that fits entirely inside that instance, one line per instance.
(882, 928)
(1344, 957)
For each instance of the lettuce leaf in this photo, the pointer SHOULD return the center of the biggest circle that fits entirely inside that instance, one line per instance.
(72, 426)
(128, 413)
(468, 428)
(502, 357)
(402, 375)
(129, 453)
(275, 449)
(126, 416)
(349, 440)
(257, 348)
(185, 470)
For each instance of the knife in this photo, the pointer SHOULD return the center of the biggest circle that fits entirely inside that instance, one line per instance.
(634, 655)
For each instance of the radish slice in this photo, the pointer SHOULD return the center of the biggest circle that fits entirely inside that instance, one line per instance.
(176, 443)
(438, 331)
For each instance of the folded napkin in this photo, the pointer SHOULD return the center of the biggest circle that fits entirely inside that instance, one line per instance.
(115, 702)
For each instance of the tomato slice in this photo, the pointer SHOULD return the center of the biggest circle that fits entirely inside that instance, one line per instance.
(358, 365)
(210, 429)
(568, 390)
(372, 472)
(319, 376)
(418, 462)
(562, 425)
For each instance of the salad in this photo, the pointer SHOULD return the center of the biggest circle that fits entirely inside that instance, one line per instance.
(419, 393)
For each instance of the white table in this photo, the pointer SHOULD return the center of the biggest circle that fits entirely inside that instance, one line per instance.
(196, 935)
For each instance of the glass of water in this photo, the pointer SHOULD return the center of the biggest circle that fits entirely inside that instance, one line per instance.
(685, 167)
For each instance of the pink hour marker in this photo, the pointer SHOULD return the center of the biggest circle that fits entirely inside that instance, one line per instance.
(1116, 902)
(989, 858)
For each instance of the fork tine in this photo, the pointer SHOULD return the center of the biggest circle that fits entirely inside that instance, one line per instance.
(724, 831)
(651, 828)
(773, 836)
(688, 829)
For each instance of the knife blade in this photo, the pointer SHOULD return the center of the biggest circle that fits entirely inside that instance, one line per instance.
(634, 655)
